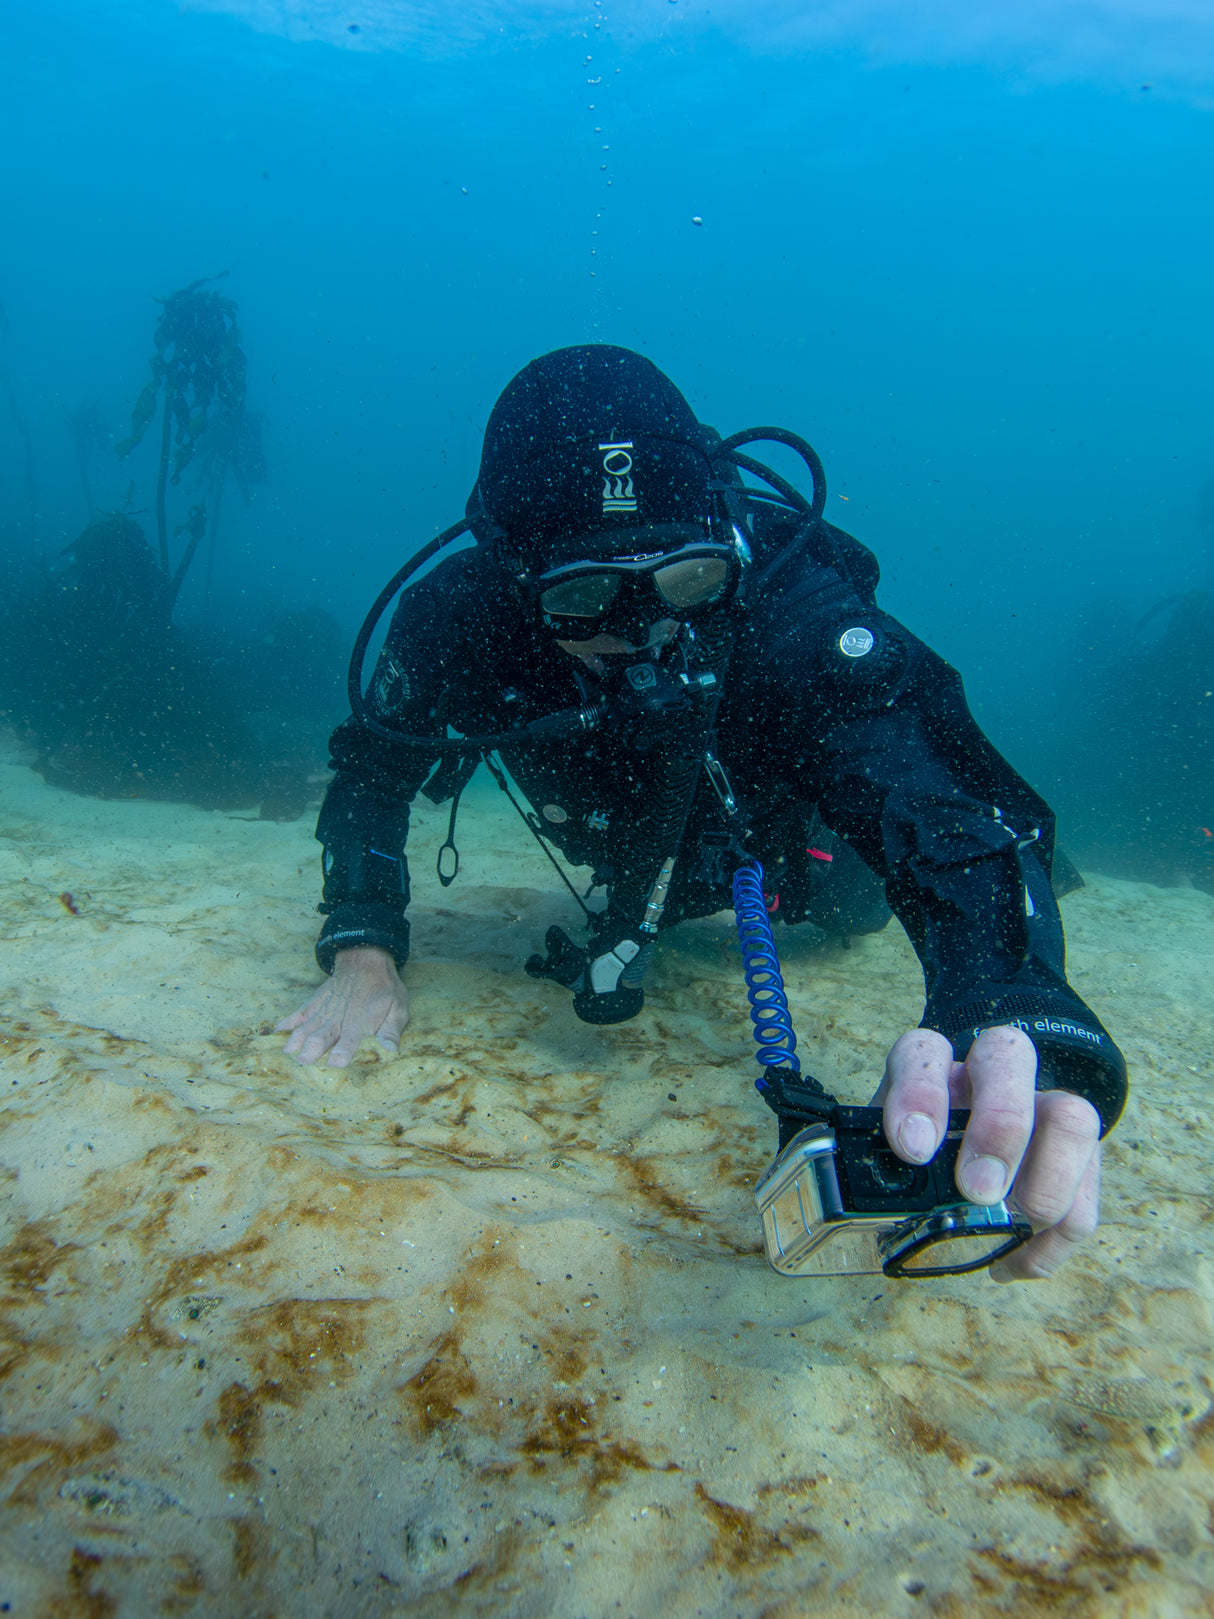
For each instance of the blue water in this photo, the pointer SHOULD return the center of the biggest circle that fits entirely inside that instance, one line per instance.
(968, 254)
(485, 1330)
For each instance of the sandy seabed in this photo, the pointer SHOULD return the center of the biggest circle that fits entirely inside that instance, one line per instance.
(486, 1328)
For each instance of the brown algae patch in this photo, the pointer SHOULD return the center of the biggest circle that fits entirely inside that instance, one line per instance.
(741, 1542)
(295, 1344)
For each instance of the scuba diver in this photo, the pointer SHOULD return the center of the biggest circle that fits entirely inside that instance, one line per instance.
(683, 671)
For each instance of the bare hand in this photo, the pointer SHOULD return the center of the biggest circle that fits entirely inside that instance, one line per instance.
(363, 997)
(1046, 1143)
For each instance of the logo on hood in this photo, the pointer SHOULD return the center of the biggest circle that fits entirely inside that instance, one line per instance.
(618, 492)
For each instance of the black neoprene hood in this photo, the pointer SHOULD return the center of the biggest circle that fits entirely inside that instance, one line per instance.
(590, 440)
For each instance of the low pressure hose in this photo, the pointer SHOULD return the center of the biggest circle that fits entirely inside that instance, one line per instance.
(764, 986)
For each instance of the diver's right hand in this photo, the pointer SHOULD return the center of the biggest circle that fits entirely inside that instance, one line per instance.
(364, 997)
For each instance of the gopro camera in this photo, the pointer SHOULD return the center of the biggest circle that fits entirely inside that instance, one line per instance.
(839, 1201)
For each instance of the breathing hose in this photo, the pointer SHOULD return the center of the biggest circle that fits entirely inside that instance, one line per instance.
(656, 842)
(728, 448)
(570, 722)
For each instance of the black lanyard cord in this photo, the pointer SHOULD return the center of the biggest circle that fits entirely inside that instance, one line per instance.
(499, 776)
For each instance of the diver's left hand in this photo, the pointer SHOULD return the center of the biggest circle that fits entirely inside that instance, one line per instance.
(1045, 1143)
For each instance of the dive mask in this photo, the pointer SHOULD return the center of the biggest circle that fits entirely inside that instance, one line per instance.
(584, 597)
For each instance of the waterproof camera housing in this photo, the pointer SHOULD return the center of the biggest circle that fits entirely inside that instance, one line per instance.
(839, 1201)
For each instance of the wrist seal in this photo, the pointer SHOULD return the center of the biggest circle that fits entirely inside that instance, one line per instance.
(1075, 1052)
(351, 925)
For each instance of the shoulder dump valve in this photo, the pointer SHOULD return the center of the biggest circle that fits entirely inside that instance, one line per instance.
(856, 642)
(866, 657)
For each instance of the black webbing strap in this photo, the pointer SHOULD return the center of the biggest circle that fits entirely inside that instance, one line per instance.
(797, 1100)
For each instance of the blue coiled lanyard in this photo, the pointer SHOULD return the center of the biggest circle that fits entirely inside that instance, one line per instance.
(764, 986)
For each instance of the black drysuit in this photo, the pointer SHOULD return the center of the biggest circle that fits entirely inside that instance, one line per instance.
(880, 749)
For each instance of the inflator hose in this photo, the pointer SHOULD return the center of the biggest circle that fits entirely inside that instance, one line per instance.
(675, 771)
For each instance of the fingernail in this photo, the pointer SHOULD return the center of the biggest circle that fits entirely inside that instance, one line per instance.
(917, 1137)
(983, 1180)
(997, 1273)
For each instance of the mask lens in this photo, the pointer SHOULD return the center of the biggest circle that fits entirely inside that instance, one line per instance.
(695, 582)
(681, 585)
(586, 597)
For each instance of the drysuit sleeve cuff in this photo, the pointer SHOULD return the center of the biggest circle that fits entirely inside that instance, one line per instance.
(1075, 1052)
(350, 925)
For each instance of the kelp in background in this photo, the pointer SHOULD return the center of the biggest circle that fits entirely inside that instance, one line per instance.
(232, 449)
(114, 698)
(90, 435)
(198, 372)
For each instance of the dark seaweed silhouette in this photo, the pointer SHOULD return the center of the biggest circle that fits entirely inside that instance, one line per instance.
(230, 448)
(198, 367)
(113, 696)
(115, 700)
(89, 434)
